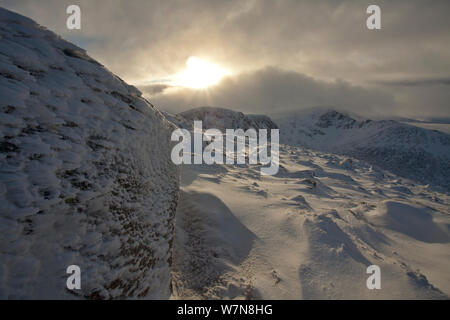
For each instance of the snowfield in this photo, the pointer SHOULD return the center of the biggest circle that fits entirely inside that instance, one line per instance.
(311, 231)
(85, 174)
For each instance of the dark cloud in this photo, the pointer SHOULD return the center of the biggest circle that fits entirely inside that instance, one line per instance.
(146, 40)
(325, 39)
(273, 90)
(153, 89)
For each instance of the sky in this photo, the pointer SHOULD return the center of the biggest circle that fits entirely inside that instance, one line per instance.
(280, 56)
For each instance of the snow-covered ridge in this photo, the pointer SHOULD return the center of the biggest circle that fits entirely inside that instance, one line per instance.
(221, 119)
(85, 174)
(409, 151)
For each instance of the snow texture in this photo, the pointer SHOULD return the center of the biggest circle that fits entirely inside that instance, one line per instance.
(311, 231)
(85, 174)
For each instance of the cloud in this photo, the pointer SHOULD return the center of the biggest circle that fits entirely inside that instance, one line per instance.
(273, 90)
(153, 89)
(326, 39)
(147, 40)
(419, 82)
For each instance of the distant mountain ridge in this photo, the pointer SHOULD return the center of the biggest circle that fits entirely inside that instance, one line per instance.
(220, 118)
(409, 151)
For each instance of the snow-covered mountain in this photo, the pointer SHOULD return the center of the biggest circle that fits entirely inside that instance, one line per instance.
(86, 179)
(85, 174)
(409, 151)
(220, 118)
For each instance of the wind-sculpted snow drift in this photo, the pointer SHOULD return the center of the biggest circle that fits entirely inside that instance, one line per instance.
(85, 174)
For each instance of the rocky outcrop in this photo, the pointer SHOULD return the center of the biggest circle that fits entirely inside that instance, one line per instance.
(85, 174)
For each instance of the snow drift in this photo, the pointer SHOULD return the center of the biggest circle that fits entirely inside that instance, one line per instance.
(85, 174)
(413, 221)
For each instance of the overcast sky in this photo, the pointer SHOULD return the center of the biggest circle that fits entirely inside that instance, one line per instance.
(284, 55)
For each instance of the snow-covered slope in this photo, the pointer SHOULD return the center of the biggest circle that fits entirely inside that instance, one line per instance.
(411, 152)
(309, 232)
(85, 174)
(221, 119)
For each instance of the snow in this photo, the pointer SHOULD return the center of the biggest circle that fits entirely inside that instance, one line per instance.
(311, 231)
(442, 127)
(222, 119)
(407, 150)
(86, 179)
(308, 232)
(85, 174)
(411, 220)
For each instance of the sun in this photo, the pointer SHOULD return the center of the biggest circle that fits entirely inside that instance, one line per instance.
(200, 74)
